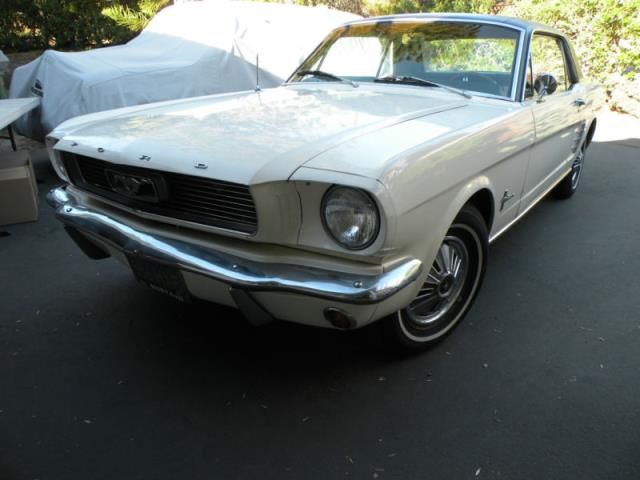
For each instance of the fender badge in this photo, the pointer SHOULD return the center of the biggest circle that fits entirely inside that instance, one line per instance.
(201, 166)
(505, 198)
(100, 149)
(146, 158)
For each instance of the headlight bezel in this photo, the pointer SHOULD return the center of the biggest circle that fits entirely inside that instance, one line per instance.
(376, 210)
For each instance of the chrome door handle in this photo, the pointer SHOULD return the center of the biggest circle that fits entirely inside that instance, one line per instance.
(579, 102)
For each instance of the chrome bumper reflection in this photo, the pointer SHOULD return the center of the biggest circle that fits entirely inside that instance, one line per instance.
(235, 271)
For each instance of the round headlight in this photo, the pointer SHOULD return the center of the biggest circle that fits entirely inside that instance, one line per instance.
(351, 217)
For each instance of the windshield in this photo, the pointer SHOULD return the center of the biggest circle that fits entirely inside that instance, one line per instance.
(474, 57)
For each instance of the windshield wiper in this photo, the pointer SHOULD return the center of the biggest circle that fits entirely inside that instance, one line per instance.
(326, 75)
(409, 80)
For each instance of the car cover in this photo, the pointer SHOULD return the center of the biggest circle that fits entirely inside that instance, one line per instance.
(188, 49)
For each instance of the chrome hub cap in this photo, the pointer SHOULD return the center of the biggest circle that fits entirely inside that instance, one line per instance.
(576, 168)
(446, 285)
(445, 280)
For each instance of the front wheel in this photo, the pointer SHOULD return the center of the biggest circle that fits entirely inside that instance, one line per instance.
(449, 289)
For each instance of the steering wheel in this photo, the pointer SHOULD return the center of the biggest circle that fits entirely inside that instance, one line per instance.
(480, 82)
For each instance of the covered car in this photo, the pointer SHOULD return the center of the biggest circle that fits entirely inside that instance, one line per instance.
(187, 50)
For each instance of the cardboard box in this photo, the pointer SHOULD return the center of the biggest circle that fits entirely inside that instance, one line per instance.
(18, 189)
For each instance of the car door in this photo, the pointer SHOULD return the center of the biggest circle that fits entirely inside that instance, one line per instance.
(555, 112)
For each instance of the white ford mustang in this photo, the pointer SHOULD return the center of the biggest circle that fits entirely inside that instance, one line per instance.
(367, 187)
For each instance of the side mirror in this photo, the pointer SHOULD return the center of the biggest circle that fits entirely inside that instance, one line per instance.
(545, 84)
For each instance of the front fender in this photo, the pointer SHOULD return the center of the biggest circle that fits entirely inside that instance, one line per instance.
(427, 224)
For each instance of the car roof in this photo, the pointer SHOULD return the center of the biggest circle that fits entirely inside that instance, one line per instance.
(519, 23)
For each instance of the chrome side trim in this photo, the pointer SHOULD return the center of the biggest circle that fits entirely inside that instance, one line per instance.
(529, 207)
(235, 271)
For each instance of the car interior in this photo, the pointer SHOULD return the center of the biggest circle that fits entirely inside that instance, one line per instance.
(494, 83)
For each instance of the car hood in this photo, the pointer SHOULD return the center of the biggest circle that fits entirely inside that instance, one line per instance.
(249, 137)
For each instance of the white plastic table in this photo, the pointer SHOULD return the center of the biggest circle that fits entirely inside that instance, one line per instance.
(13, 108)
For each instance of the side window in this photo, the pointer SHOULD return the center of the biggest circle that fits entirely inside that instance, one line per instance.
(547, 58)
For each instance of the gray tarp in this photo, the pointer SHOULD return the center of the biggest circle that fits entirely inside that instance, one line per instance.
(4, 63)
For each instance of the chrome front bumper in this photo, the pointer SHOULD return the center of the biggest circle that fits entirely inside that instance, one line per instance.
(239, 273)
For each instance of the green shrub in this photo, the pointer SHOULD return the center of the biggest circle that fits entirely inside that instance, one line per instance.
(60, 24)
(605, 33)
(386, 7)
(135, 19)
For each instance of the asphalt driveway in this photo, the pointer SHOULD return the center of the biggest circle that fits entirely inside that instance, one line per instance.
(101, 378)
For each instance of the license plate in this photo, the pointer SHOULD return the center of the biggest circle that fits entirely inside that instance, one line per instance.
(162, 278)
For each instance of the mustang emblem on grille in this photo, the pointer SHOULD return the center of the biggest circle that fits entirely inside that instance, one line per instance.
(133, 186)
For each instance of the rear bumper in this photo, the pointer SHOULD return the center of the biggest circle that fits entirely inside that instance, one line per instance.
(233, 271)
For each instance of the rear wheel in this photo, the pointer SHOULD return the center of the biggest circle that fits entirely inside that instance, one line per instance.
(449, 289)
(569, 184)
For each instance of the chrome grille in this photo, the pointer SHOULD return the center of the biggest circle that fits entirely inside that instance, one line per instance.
(186, 197)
